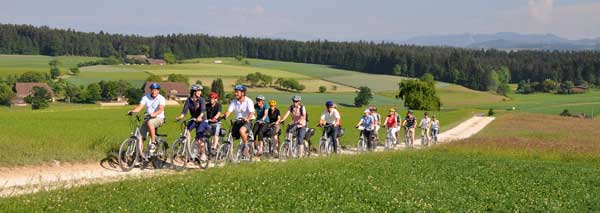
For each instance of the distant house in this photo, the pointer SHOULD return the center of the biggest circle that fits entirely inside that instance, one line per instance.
(578, 90)
(160, 62)
(144, 58)
(217, 62)
(25, 89)
(175, 90)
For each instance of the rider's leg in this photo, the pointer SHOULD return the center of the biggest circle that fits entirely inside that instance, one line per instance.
(244, 136)
(217, 136)
(300, 140)
(333, 132)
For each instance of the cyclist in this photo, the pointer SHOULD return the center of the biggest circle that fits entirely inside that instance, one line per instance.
(243, 108)
(367, 121)
(424, 125)
(155, 108)
(331, 116)
(274, 118)
(299, 120)
(409, 124)
(377, 117)
(213, 113)
(391, 123)
(196, 105)
(340, 129)
(261, 122)
(435, 128)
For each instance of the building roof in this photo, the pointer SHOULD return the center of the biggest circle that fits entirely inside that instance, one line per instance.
(137, 57)
(25, 89)
(156, 61)
(172, 88)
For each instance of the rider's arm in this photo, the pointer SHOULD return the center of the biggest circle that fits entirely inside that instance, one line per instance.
(218, 115)
(322, 119)
(202, 110)
(250, 110)
(138, 108)
(287, 113)
(337, 118)
(229, 110)
(360, 122)
(161, 108)
(184, 111)
(264, 116)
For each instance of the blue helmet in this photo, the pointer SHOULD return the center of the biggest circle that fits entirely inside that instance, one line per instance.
(329, 103)
(154, 86)
(239, 87)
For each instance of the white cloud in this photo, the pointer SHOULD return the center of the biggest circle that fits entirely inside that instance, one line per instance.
(540, 10)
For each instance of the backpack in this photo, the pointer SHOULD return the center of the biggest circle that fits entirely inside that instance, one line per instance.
(301, 111)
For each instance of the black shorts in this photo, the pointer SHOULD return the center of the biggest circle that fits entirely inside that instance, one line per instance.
(237, 125)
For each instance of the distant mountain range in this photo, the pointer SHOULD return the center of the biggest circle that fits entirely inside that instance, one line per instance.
(505, 41)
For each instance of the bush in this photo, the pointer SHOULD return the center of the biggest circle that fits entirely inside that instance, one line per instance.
(419, 95)
(134, 95)
(491, 112)
(566, 113)
(6, 94)
(322, 89)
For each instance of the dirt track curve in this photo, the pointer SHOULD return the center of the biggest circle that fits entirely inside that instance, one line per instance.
(30, 179)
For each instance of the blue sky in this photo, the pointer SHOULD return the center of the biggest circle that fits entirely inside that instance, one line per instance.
(311, 19)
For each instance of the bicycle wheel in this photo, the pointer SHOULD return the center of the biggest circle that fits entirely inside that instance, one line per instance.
(128, 154)
(323, 146)
(285, 151)
(223, 154)
(179, 154)
(159, 160)
(307, 149)
(361, 146)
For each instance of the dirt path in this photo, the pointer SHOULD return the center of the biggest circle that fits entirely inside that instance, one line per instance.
(23, 180)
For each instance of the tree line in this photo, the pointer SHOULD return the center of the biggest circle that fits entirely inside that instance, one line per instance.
(475, 69)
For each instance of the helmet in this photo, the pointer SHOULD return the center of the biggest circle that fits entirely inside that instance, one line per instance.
(272, 103)
(260, 98)
(367, 110)
(392, 110)
(373, 108)
(195, 87)
(239, 87)
(329, 103)
(154, 86)
(296, 98)
(214, 95)
(410, 111)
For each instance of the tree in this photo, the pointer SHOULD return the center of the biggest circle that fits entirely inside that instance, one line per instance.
(73, 94)
(178, 78)
(109, 90)
(322, 89)
(134, 95)
(39, 98)
(566, 113)
(503, 89)
(169, 57)
(565, 87)
(419, 95)
(54, 70)
(75, 71)
(363, 97)
(550, 86)
(217, 86)
(6, 94)
(253, 78)
(154, 78)
(428, 78)
(94, 93)
(33, 77)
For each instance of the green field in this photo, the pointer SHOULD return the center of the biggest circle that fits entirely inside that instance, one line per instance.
(445, 179)
(552, 104)
(90, 133)
(18, 64)
(94, 74)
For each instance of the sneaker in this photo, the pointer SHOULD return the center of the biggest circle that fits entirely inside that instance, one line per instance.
(152, 148)
(203, 158)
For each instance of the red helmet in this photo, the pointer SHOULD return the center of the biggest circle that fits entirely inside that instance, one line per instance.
(214, 95)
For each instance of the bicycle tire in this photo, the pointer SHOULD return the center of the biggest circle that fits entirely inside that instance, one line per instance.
(284, 151)
(128, 154)
(179, 154)
(223, 154)
(159, 160)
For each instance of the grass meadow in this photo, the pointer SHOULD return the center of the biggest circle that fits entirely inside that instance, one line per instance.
(66, 132)
(18, 64)
(450, 177)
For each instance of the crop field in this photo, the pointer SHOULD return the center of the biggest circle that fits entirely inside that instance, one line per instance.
(94, 74)
(312, 85)
(447, 178)
(553, 104)
(90, 133)
(18, 64)
(458, 97)
(215, 70)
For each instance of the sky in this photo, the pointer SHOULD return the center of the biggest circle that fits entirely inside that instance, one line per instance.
(312, 19)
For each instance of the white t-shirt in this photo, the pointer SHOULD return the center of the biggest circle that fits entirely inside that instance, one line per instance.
(152, 104)
(241, 110)
(425, 123)
(330, 118)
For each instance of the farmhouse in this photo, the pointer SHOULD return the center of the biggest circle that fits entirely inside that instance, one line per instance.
(144, 58)
(577, 90)
(175, 90)
(25, 89)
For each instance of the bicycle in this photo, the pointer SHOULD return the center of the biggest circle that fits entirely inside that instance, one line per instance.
(269, 142)
(225, 150)
(408, 141)
(289, 149)
(424, 137)
(362, 144)
(185, 150)
(326, 146)
(130, 152)
(390, 142)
